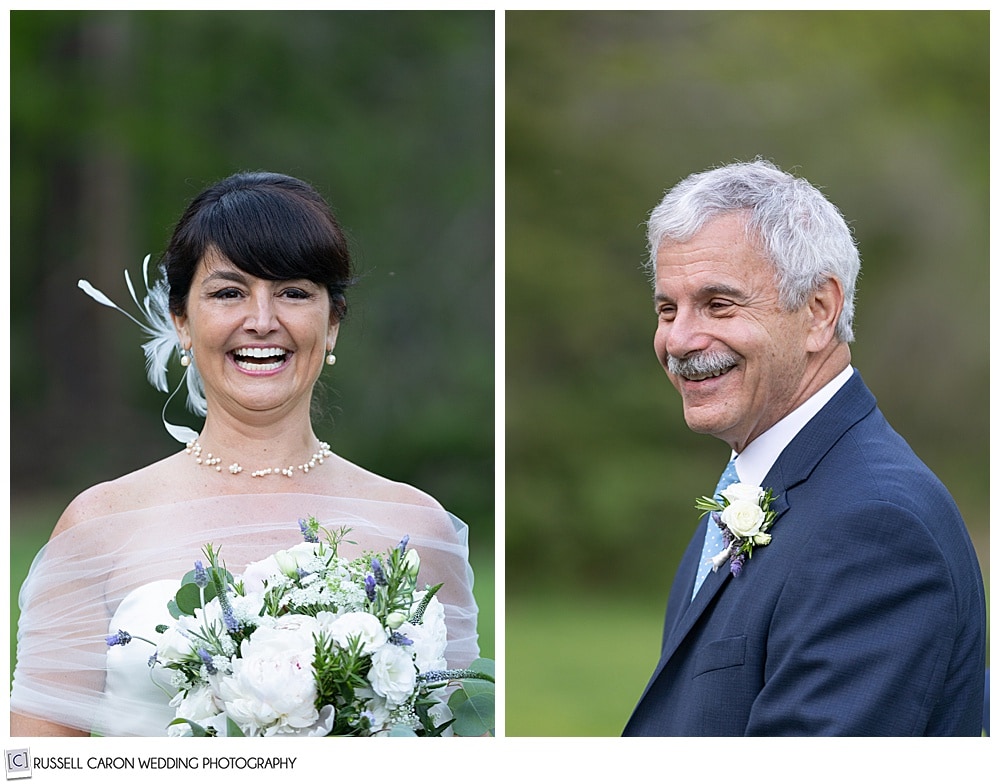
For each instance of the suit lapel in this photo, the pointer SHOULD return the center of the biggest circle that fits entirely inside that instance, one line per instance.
(796, 462)
(714, 583)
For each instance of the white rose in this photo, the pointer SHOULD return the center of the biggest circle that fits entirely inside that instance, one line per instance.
(325, 619)
(271, 690)
(175, 643)
(198, 705)
(743, 492)
(281, 564)
(392, 674)
(358, 624)
(743, 518)
(258, 572)
(302, 556)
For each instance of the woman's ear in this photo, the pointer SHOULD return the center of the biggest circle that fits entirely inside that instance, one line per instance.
(825, 306)
(181, 325)
(332, 332)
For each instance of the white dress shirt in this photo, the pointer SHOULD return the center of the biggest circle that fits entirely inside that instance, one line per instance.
(753, 463)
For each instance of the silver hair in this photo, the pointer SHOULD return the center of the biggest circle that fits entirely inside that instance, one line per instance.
(802, 233)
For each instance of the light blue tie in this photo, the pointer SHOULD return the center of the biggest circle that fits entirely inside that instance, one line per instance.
(713, 534)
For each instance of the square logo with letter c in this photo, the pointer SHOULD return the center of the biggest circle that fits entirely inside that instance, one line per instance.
(18, 764)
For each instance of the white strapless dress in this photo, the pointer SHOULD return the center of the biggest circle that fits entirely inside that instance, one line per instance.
(137, 696)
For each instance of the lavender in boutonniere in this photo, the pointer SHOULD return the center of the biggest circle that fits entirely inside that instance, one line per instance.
(744, 514)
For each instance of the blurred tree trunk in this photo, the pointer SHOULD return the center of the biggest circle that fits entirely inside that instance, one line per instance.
(91, 200)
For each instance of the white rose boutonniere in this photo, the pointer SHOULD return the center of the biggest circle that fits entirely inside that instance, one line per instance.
(744, 514)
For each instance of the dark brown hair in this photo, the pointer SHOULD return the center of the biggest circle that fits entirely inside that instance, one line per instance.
(271, 226)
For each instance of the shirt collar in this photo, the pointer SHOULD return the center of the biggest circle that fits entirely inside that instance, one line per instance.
(753, 463)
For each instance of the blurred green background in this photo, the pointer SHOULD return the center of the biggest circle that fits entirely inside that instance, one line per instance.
(118, 119)
(888, 113)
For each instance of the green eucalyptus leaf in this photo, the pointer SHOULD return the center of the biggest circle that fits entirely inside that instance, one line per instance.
(474, 715)
(474, 687)
(485, 666)
(188, 598)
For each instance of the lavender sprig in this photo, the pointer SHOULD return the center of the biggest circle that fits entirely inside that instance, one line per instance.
(200, 574)
(378, 572)
(121, 638)
(309, 529)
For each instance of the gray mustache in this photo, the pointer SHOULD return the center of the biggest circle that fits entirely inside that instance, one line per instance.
(704, 362)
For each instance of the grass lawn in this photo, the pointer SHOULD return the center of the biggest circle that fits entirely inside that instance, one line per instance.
(575, 666)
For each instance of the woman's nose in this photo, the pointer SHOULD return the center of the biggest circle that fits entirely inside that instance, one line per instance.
(261, 317)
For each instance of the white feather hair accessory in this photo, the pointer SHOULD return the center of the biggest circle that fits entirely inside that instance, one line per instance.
(163, 341)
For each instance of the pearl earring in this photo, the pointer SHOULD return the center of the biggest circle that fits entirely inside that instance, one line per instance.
(330, 358)
(185, 357)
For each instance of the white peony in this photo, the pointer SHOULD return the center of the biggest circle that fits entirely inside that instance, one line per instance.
(430, 638)
(271, 690)
(743, 517)
(393, 674)
(358, 624)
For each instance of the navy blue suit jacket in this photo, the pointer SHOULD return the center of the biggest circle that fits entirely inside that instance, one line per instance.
(865, 615)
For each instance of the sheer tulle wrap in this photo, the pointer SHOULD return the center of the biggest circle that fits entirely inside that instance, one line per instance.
(111, 571)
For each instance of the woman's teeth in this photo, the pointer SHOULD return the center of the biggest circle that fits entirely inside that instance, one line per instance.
(260, 358)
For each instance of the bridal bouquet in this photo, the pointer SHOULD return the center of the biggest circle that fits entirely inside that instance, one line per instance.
(307, 642)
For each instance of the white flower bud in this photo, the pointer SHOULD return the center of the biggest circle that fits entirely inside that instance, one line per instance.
(395, 619)
(411, 563)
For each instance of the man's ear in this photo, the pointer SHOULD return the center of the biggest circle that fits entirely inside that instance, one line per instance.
(825, 306)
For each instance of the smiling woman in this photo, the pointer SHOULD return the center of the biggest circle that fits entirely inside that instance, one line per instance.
(258, 344)
(252, 297)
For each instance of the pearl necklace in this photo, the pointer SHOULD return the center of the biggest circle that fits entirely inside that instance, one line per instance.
(194, 448)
